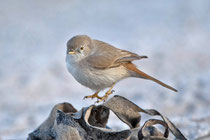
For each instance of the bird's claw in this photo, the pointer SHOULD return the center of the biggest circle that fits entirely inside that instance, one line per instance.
(88, 97)
(102, 99)
(99, 99)
(95, 95)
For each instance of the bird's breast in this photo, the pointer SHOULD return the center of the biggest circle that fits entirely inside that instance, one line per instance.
(95, 79)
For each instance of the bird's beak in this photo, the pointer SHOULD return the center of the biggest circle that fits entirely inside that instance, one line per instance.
(71, 52)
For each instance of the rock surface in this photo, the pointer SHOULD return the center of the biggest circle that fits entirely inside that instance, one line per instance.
(90, 123)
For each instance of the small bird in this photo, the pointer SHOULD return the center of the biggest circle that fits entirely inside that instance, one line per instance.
(99, 65)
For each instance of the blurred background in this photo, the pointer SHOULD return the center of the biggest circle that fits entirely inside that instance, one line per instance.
(173, 34)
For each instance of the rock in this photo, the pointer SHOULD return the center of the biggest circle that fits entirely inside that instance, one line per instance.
(90, 123)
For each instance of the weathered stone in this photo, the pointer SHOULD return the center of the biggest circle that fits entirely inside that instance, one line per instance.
(90, 123)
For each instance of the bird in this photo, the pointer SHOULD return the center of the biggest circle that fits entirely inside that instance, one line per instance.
(99, 65)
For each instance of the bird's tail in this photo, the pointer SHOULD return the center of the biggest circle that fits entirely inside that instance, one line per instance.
(141, 74)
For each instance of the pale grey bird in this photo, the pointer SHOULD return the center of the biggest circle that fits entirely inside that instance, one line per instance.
(98, 65)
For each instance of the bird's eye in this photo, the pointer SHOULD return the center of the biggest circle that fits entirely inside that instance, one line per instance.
(82, 48)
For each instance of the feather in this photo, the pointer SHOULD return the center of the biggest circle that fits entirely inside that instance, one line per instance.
(141, 74)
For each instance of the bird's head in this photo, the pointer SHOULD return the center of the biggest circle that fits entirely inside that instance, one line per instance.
(78, 47)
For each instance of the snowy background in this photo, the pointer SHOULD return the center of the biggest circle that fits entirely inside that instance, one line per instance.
(174, 34)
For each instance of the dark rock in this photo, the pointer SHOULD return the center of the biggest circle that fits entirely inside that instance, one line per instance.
(90, 123)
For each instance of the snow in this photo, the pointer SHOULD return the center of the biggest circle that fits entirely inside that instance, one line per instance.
(173, 34)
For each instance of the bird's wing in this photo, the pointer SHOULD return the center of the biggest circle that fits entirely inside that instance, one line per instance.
(106, 56)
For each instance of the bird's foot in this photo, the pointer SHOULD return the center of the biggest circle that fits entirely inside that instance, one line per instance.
(95, 95)
(105, 96)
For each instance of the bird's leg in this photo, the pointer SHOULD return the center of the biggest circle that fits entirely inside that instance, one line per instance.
(110, 91)
(95, 95)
